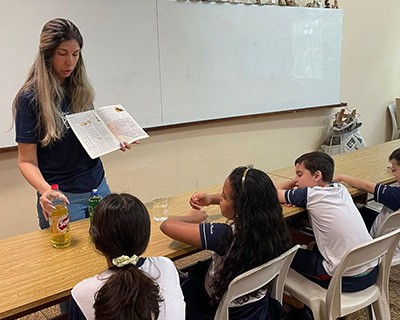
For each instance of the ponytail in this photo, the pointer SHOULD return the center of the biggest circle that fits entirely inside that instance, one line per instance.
(121, 231)
(128, 294)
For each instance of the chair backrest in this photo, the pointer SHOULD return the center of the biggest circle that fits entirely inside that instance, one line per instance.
(393, 116)
(255, 279)
(392, 222)
(380, 249)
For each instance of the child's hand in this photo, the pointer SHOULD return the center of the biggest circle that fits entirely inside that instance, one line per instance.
(198, 200)
(289, 205)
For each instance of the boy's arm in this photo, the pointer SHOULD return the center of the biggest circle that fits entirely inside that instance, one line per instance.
(282, 187)
(289, 184)
(356, 182)
(281, 195)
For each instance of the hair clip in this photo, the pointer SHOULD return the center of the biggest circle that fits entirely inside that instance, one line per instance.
(245, 174)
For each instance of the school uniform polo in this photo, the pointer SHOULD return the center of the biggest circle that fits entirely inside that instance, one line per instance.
(211, 235)
(161, 269)
(336, 222)
(64, 162)
(197, 287)
(389, 196)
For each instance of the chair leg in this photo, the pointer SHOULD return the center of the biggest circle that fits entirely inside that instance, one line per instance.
(370, 313)
(381, 309)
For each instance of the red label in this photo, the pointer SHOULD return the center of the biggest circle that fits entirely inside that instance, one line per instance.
(63, 223)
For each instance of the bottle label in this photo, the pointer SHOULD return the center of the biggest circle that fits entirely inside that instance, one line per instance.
(63, 223)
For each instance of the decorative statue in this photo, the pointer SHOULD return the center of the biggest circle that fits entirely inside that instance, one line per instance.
(314, 4)
(291, 3)
(335, 4)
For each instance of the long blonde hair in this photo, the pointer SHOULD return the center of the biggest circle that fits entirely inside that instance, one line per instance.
(47, 91)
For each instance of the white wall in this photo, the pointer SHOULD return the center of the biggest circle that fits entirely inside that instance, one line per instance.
(184, 159)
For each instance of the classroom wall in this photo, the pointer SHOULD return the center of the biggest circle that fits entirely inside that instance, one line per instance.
(184, 159)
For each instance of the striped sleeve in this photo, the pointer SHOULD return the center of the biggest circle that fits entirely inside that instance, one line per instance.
(211, 235)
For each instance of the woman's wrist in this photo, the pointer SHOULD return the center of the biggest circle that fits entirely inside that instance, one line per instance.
(43, 188)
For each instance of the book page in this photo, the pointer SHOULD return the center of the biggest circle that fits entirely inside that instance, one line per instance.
(121, 124)
(92, 133)
(102, 130)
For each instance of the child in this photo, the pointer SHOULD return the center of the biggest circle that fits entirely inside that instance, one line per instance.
(336, 222)
(256, 234)
(133, 287)
(387, 195)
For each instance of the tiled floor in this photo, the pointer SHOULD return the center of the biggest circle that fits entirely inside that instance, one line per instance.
(44, 314)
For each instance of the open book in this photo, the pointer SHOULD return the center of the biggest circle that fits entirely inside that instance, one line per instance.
(100, 131)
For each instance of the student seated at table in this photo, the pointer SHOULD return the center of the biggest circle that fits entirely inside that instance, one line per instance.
(255, 233)
(335, 220)
(387, 195)
(133, 286)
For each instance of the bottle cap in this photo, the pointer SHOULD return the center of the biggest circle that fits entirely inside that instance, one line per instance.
(95, 191)
(54, 187)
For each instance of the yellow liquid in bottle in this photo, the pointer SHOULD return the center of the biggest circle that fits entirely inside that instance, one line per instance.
(59, 227)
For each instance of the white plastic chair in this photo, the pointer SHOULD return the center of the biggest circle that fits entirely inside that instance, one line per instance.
(393, 116)
(256, 278)
(331, 303)
(392, 222)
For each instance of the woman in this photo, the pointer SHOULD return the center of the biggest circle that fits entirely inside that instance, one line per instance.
(48, 151)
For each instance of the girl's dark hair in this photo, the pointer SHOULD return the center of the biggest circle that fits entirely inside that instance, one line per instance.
(121, 226)
(395, 155)
(260, 232)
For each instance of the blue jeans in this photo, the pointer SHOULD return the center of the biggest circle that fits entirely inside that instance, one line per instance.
(78, 203)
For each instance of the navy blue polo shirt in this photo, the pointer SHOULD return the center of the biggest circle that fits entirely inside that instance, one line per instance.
(211, 235)
(64, 162)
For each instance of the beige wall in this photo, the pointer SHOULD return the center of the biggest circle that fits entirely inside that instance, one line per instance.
(184, 159)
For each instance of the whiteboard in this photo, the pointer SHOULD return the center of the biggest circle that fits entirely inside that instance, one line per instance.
(120, 51)
(220, 60)
(170, 62)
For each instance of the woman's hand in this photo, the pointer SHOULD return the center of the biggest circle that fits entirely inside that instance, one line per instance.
(127, 146)
(46, 199)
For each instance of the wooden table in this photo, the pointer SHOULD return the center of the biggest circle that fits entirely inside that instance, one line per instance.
(34, 275)
(370, 163)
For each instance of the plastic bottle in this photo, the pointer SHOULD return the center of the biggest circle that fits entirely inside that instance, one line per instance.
(93, 202)
(59, 223)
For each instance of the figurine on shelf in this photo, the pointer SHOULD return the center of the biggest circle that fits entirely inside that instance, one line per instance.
(327, 4)
(314, 4)
(291, 3)
(281, 3)
(335, 4)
